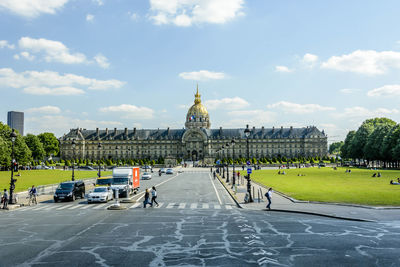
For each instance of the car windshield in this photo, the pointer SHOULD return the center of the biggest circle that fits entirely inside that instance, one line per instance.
(145, 173)
(65, 186)
(97, 190)
(170, 170)
(104, 181)
(120, 181)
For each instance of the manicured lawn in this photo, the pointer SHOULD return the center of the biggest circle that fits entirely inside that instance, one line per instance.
(43, 177)
(328, 185)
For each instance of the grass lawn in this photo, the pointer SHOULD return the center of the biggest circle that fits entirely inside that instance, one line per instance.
(328, 185)
(43, 177)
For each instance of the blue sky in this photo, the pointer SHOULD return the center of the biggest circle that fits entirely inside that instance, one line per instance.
(121, 63)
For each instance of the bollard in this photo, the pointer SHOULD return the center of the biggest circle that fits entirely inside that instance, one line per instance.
(253, 192)
(258, 191)
(261, 192)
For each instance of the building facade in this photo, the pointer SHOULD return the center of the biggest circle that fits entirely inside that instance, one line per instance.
(15, 120)
(195, 142)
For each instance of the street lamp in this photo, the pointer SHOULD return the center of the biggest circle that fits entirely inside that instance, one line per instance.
(73, 158)
(223, 168)
(99, 147)
(13, 136)
(233, 160)
(227, 164)
(247, 133)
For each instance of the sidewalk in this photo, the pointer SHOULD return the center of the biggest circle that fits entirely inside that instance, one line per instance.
(282, 203)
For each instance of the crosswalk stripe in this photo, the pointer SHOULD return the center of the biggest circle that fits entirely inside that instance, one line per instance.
(49, 207)
(193, 206)
(228, 207)
(205, 206)
(216, 206)
(40, 207)
(159, 205)
(85, 206)
(182, 205)
(99, 206)
(135, 205)
(64, 207)
(73, 207)
(170, 205)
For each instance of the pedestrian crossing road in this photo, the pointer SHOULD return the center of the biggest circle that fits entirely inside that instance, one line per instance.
(138, 205)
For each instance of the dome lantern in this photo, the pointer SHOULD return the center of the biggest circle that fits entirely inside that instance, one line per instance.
(197, 116)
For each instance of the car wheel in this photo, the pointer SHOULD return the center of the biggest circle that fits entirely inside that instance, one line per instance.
(55, 200)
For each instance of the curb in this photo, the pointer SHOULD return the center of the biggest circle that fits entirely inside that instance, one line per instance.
(229, 192)
(321, 215)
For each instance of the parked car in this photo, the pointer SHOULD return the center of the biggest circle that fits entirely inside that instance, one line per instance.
(162, 170)
(100, 194)
(70, 191)
(86, 167)
(146, 176)
(169, 171)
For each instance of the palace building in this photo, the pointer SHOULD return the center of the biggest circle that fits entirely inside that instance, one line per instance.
(195, 142)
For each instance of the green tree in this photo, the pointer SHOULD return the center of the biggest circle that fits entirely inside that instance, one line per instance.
(372, 149)
(5, 152)
(345, 150)
(36, 147)
(50, 143)
(389, 143)
(335, 147)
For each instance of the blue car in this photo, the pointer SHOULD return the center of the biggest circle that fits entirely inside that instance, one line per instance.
(169, 171)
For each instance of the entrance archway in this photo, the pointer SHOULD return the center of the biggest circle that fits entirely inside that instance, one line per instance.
(194, 155)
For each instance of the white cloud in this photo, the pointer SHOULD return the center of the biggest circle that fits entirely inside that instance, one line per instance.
(349, 90)
(310, 60)
(282, 69)
(25, 55)
(99, 2)
(189, 12)
(102, 61)
(5, 44)
(289, 107)
(133, 16)
(386, 90)
(54, 51)
(50, 82)
(368, 62)
(252, 117)
(202, 75)
(32, 8)
(361, 112)
(89, 17)
(35, 90)
(59, 124)
(130, 111)
(226, 103)
(45, 109)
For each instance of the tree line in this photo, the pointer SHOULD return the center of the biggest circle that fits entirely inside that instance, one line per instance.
(376, 142)
(27, 149)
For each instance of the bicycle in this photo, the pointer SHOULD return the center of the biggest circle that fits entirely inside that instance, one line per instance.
(32, 199)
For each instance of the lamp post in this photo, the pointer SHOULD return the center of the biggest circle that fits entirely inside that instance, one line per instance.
(247, 133)
(99, 147)
(73, 159)
(227, 164)
(13, 136)
(233, 160)
(223, 163)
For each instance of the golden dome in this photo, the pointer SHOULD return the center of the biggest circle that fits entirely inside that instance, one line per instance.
(197, 116)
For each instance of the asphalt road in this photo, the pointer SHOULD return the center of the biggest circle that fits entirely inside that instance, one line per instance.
(197, 224)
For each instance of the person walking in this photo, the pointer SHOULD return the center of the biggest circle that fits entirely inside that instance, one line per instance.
(5, 199)
(147, 199)
(268, 195)
(32, 195)
(154, 196)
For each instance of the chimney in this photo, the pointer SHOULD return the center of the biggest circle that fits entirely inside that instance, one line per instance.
(106, 131)
(115, 131)
(168, 131)
(220, 130)
(262, 129)
(97, 131)
(273, 129)
(126, 132)
(134, 131)
(291, 128)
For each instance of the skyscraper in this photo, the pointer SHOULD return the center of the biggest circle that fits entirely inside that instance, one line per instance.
(15, 120)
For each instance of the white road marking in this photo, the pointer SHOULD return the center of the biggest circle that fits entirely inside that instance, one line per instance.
(85, 206)
(40, 207)
(170, 206)
(64, 207)
(182, 206)
(99, 206)
(135, 205)
(217, 207)
(73, 207)
(216, 192)
(228, 207)
(193, 206)
(205, 206)
(157, 185)
(159, 205)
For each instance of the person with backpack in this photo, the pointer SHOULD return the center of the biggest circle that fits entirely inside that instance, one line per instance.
(268, 195)
(147, 199)
(154, 196)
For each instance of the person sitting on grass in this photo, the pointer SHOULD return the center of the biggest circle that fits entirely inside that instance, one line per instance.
(398, 180)
(394, 183)
(379, 174)
(279, 172)
(374, 175)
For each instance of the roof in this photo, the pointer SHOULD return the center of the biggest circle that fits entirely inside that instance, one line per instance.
(177, 134)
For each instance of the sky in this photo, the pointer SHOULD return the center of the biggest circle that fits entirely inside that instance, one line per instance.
(122, 63)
